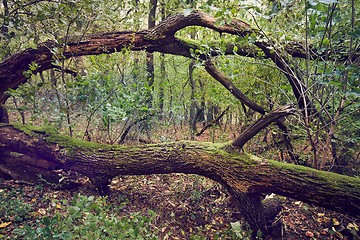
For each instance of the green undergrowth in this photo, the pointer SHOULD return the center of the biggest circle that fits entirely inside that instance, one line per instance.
(13, 208)
(83, 217)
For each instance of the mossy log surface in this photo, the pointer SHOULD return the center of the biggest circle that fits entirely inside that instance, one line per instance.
(26, 150)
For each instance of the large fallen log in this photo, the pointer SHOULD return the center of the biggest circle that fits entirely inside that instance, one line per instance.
(26, 151)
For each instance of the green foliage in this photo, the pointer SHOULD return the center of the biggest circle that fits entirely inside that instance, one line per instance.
(89, 218)
(239, 232)
(12, 206)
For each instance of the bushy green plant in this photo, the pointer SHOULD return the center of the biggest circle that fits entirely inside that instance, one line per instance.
(89, 218)
(239, 232)
(12, 206)
(236, 231)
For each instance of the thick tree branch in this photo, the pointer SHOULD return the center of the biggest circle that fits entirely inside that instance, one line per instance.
(32, 149)
(174, 23)
(262, 123)
(160, 39)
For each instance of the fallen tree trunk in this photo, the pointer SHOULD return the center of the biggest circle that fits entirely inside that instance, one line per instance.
(26, 151)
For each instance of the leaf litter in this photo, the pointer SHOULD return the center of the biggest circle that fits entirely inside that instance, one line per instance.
(185, 206)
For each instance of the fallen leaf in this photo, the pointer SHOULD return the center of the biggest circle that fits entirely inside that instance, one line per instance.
(309, 234)
(325, 231)
(336, 222)
(5, 224)
(321, 214)
(42, 211)
(351, 226)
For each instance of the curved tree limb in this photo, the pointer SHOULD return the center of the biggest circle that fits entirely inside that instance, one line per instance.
(160, 39)
(260, 124)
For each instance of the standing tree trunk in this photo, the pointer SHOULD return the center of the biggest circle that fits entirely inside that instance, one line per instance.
(4, 117)
(150, 55)
(150, 66)
(162, 68)
(195, 110)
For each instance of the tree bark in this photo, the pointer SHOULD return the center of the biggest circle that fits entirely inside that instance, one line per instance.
(26, 150)
(4, 117)
(195, 110)
(150, 55)
(261, 123)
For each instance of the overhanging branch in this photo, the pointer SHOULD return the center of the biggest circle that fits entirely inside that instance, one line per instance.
(160, 39)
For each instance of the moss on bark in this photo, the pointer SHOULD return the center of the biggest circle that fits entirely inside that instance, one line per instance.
(243, 174)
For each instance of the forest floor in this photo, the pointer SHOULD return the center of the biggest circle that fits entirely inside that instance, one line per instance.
(186, 207)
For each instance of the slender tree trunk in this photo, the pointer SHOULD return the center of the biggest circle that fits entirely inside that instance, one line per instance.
(161, 87)
(150, 55)
(21, 112)
(150, 66)
(4, 117)
(194, 108)
(4, 30)
(212, 123)
(162, 68)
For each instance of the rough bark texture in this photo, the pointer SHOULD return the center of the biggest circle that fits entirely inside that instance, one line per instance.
(34, 150)
(262, 123)
(4, 117)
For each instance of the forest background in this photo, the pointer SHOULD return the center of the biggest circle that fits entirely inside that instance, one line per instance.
(150, 97)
